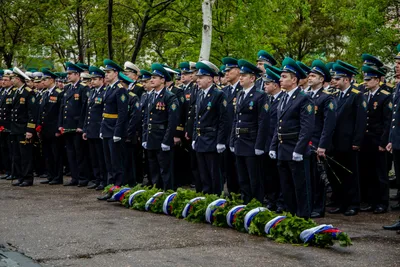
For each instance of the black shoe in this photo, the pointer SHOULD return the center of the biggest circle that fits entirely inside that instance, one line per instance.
(396, 206)
(92, 186)
(279, 210)
(4, 176)
(331, 204)
(395, 226)
(55, 182)
(100, 187)
(379, 210)
(335, 211)
(25, 184)
(11, 178)
(104, 197)
(351, 212)
(83, 184)
(17, 183)
(367, 209)
(44, 175)
(111, 200)
(315, 214)
(271, 207)
(45, 182)
(71, 184)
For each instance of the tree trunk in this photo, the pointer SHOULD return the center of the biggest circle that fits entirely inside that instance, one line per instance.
(207, 30)
(109, 29)
(139, 39)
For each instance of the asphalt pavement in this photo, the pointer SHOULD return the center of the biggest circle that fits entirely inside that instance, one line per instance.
(67, 226)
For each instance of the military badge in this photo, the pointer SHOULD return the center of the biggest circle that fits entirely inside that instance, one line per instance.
(316, 109)
(22, 100)
(123, 98)
(8, 101)
(98, 100)
(310, 109)
(173, 106)
(209, 105)
(137, 105)
(251, 104)
(162, 106)
(364, 104)
(87, 94)
(187, 97)
(33, 99)
(390, 106)
(375, 105)
(76, 96)
(234, 101)
(266, 107)
(331, 106)
(182, 99)
(224, 103)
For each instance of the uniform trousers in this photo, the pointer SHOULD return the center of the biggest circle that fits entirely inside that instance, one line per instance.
(98, 163)
(22, 161)
(160, 163)
(113, 155)
(77, 161)
(209, 170)
(249, 172)
(52, 152)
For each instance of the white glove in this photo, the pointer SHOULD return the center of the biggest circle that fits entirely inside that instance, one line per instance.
(232, 149)
(165, 147)
(297, 156)
(101, 136)
(221, 148)
(272, 154)
(193, 142)
(116, 139)
(144, 145)
(259, 152)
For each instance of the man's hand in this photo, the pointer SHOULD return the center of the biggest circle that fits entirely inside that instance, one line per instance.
(272, 154)
(297, 156)
(165, 147)
(356, 148)
(28, 135)
(58, 134)
(187, 136)
(389, 147)
(79, 130)
(259, 152)
(116, 139)
(84, 137)
(381, 149)
(220, 148)
(144, 145)
(177, 141)
(321, 152)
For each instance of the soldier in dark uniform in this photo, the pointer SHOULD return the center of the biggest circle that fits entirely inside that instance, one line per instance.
(303, 83)
(209, 136)
(91, 128)
(190, 89)
(354, 85)
(290, 142)
(114, 123)
(374, 177)
(70, 124)
(232, 74)
(250, 130)
(321, 140)
(47, 128)
(6, 102)
(347, 139)
(272, 185)
(159, 128)
(22, 129)
(133, 123)
(145, 80)
(263, 58)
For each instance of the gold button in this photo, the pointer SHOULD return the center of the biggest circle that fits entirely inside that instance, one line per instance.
(65, 117)
(394, 127)
(151, 119)
(280, 121)
(281, 141)
(149, 131)
(393, 120)
(280, 127)
(198, 122)
(366, 131)
(240, 120)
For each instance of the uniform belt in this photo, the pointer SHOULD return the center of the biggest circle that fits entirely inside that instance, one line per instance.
(110, 116)
(288, 136)
(152, 126)
(244, 130)
(205, 130)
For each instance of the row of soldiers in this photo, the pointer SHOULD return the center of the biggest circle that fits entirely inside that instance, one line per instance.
(274, 134)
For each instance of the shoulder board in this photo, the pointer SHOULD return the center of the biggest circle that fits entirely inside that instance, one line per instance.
(58, 90)
(366, 93)
(258, 78)
(84, 84)
(385, 92)
(132, 94)
(380, 83)
(355, 91)
(28, 89)
(120, 85)
(139, 84)
(14, 88)
(356, 84)
(326, 92)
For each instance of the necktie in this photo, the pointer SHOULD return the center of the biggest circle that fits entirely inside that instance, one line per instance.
(202, 93)
(271, 99)
(341, 95)
(285, 96)
(241, 96)
(369, 97)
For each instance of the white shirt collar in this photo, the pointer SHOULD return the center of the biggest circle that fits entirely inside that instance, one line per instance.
(277, 95)
(345, 91)
(373, 93)
(290, 93)
(206, 90)
(235, 85)
(246, 91)
(20, 89)
(51, 89)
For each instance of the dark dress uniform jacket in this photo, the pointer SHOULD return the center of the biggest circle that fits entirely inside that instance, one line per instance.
(350, 120)
(94, 113)
(134, 117)
(231, 100)
(159, 124)
(190, 107)
(295, 126)
(395, 125)
(115, 111)
(325, 119)
(6, 101)
(210, 121)
(180, 128)
(49, 111)
(23, 111)
(137, 89)
(273, 119)
(251, 123)
(72, 108)
(379, 113)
